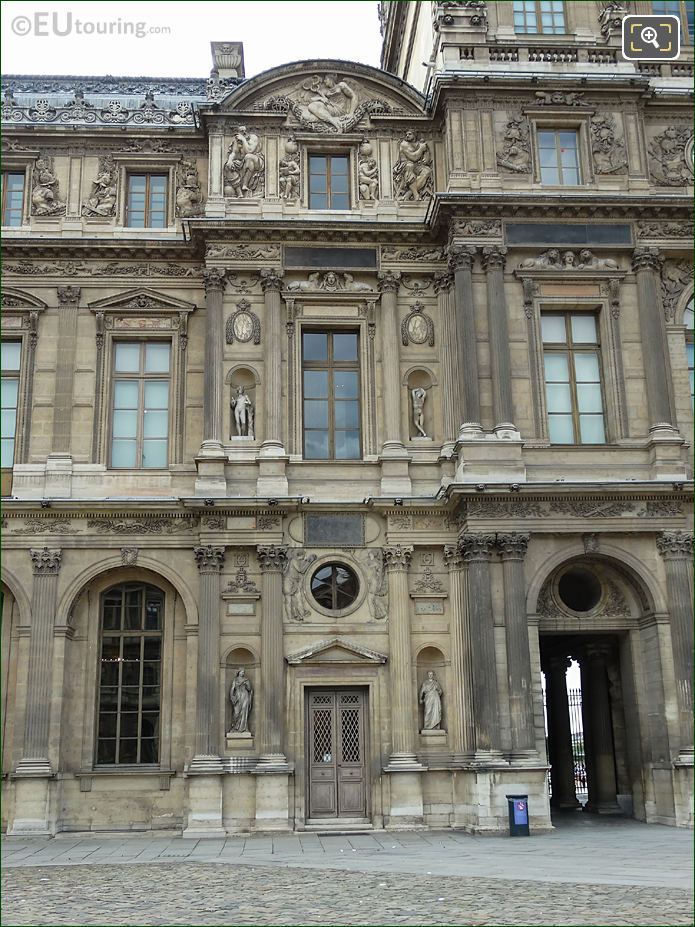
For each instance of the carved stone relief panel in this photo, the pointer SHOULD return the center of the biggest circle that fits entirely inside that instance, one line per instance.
(670, 156)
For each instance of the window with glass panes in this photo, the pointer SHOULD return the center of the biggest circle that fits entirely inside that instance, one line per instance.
(536, 16)
(574, 396)
(12, 198)
(328, 182)
(10, 358)
(689, 322)
(130, 675)
(146, 204)
(558, 155)
(140, 420)
(331, 384)
(684, 9)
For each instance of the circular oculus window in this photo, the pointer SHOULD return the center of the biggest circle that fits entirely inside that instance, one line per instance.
(579, 589)
(334, 586)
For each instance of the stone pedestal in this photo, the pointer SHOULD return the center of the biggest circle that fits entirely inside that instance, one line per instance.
(32, 815)
(204, 807)
(272, 800)
(406, 808)
(489, 458)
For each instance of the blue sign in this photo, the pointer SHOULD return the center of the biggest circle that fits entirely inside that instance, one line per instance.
(520, 812)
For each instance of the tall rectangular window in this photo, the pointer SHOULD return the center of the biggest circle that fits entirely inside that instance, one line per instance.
(684, 9)
(140, 421)
(539, 16)
(12, 198)
(328, 182)
(558, 155)
(571, 355)
(11, 353)
(130, 675)
(331, 380)
(146, 204)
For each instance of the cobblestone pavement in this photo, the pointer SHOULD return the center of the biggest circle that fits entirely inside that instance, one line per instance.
(587, 871)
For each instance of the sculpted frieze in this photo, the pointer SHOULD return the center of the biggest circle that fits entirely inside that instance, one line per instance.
(154, 525)
(559, 98)
(414, 255)
(607, 148)
(112, 269)
(664, 230)
(477, 228)
(329, 282)
(568, 261)
(243, 252)
(81, 112)
(42, 526)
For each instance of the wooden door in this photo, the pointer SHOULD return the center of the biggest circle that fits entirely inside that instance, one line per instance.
(337, 767)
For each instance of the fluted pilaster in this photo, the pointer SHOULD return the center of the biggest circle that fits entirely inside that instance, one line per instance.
(210, 561)
(494, 259)
(465, 347)
(46, 568)
(272, 560)
(461, 723)
(271, 281)
(646, 263)
(389, 282)
(214, 282)
(676, 548)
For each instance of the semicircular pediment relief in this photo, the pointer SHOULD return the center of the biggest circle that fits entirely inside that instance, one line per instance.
(326, 97)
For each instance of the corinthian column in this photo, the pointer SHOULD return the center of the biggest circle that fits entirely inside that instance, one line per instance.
(477, 551)
(451, 378)
(272, 561)
(646, 265)
(512, 548)
(403, 725)
(214, 283)
(461, 724)
(465, 340)
(498, 335)
(207, 755)
(676, 547)
(46, 567)
(271, 281)
(68, 299)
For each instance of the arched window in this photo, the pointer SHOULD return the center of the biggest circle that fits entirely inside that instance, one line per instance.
(689, 322)
(130, 675)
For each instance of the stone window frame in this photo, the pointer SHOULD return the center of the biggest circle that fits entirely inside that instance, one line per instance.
(329, 148)
(14, 162)
(332, 312)
(560, 120)
(138, 163)
(336, 559)
(101, 584)
(111, 316)
(20, 322)
(538, 14)
(7, 173)
(614, 397)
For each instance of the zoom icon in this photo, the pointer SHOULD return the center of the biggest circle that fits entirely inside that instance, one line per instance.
(651, 38)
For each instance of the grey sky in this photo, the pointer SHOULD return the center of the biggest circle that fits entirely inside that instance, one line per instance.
(272, 33)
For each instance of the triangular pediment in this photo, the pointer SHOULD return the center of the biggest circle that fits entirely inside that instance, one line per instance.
(336, 650)
(18, 299)
(326, 96)
(141, 299)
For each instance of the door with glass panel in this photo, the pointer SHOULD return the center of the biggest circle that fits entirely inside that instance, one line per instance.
(336, 760)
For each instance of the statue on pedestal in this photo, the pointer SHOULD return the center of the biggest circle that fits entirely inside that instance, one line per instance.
(431, 698)
(241, 697)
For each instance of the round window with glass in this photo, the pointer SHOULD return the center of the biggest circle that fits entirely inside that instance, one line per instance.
(334, 587)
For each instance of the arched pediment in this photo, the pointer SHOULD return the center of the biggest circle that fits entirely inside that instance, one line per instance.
(327, 97)
(18, 299)
(141, 299)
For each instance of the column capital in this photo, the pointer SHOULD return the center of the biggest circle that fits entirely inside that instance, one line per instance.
(556, 661)
(209, 559)
(68, 295)
(214, 279)
(494, 258)
(46, 562)
(476, 546)
(453, 557)
(461, 256)
(389, 281)
(271, 278)
(675, 545)
(443, 282)
(271, 558)
(598, 651)
(512, 546)
(646, 259)
(397, 559)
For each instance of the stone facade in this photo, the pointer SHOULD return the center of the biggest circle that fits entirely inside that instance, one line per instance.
(447, 542)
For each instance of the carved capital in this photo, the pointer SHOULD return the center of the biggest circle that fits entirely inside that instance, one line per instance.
(598, 652)
(209, 559)
(397, 559)
(272, 558)
(214, 279)
(271, 279)
(443, 283)
(494, 258)
(45, 561)
(389, 281)
(68, 295)
(556, 663)
(461, 257)
(453, 557)
(646, 259)
(476, 546)
(675, 545)
(512, 546)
